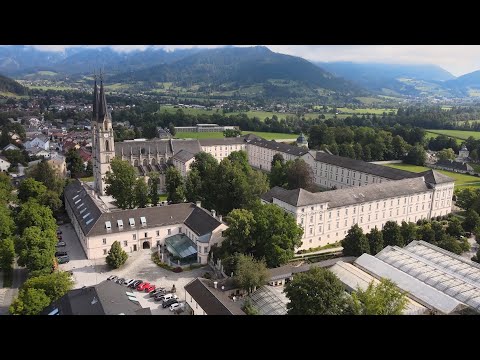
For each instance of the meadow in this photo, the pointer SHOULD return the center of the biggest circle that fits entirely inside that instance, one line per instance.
(461, 180)
(219, 135)
(457, 134)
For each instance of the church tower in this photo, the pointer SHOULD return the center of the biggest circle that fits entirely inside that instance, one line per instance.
(103, 146)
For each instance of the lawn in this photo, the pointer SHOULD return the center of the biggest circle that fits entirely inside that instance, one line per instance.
(366, 111)
(163, 197)
(461, 180)
(458, 134)
(87, 179)
(219, 135)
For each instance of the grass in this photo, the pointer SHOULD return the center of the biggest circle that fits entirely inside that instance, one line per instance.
(219, 135)
(163, 197)
(366, 111)
(12, 95)
(87, 179)
(458, 134)
(50, 87)
(7, 278)
(47, 73)
(318, 248)
(476, 167)
(461, 180)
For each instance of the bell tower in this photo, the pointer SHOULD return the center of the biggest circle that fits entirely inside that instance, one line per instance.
(103, 146)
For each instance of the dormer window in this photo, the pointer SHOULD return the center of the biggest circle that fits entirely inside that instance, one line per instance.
(108, 225)
(143, 220)
(120, 224)
(131, 221)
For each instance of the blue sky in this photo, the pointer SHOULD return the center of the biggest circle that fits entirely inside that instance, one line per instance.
(458, 59)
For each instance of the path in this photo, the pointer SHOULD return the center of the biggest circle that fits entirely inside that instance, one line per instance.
(8, 294)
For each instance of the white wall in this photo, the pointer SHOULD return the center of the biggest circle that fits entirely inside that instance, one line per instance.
(220, 152)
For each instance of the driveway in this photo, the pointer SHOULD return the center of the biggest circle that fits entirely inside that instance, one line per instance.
(138, 266)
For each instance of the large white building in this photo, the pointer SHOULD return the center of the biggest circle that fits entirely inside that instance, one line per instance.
(325, 217)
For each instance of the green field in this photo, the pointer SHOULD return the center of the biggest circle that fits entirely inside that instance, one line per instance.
(12, 95)
(461, 180)
(458, 134)
(52, 87)
(47, 73)
(429, 135)
(219, 135)
(366, 111)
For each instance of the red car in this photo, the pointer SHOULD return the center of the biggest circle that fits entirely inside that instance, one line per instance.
(150, 288)
(142, 286)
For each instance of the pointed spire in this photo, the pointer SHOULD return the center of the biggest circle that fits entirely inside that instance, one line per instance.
(102, 104)
(95, 99)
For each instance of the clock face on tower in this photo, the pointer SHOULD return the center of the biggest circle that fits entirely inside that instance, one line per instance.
(105, 135)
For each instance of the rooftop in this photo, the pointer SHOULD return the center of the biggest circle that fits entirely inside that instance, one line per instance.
(181, 246)
(279, 146)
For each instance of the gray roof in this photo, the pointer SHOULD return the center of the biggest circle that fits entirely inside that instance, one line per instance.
(456, 165)
(84, 208)
(435, 177)
(349, 196)
(418, 290)
(365, 167)
(280, 147)
(105, 298)
(155, 216)
(212, 301)
(192, 146)
(155, 146)
(183, 156)
(222, 141)
(201, 222)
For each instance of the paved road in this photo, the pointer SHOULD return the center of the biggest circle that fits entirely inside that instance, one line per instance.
(7, 295)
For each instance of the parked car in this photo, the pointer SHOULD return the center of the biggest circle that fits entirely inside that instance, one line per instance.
(177, 306)
(120, 281)
(150, 288)
(158, 291)
(135, 284)
(60, 253)
(59, 232)
(112, 277)
(168, 296)
(63, 259)
(61, 244)
(142, 286)
(59, 237)
(169, 302)
(127, 282)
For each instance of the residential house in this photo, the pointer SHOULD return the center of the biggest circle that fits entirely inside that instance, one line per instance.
(4, 164)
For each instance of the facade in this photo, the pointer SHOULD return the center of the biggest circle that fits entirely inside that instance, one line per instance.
(59, 165)
(221, 148)
(302, 141)
(4, 164)
(463, 153)
(182, 161)
(327, 216)
(40, 141)
(98, 227)
(455, 166)
(204, 128)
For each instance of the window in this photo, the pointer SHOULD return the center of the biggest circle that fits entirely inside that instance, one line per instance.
(301, 221)
(169, 231)
(134, 236)
(205, 250)
(384, 204)
(311, 219)
(320, 217)
(338, 213)
(337, 224)
(328, 226)
(104, 251)
(179, 229)
(345, 222)
(146, 235)
(370, 207)
(311, 231)
(312, 208)
(131, 221)
(346, 211)
(329, 214)
(143, 220)
(125, 243)
(104, 241)
(354, 210)
(158, 232)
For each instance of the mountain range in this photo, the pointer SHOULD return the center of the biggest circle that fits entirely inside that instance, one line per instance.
(245, 71)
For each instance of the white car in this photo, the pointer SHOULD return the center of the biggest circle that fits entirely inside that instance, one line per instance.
(176, 306)
(128, 282)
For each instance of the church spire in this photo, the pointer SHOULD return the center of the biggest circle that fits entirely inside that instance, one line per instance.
(95, 99)
(102, 104)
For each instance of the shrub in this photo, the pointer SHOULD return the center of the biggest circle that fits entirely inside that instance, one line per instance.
(178, 269)
(207, 275)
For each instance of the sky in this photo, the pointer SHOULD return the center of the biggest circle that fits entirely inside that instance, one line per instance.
(457, 59)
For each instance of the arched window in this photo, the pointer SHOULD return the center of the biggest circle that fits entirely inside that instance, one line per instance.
(142, 151)
(107, 159)
(154, 161)
(135, 163)
(107, 145)
(162, 160)
(145, 162)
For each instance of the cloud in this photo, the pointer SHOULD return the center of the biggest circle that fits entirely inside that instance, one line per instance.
(458, 59)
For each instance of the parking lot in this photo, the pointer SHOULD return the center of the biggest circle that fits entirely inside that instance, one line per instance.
(138, 266)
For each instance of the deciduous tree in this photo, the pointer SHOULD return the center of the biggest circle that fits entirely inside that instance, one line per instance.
(55, 284)
(121, 183)
(175, 185)
(29, 302)
(141, 192)
(375, 240)
(392, 235)
(250, 273)
(7, 253)
(153, 188)
(355, 243)
(472, 220)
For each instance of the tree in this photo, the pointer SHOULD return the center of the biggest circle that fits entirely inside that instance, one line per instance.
(29, 302)
(6, 189)
(472, 220)
(355, 243)
(51, 200)
(74, 163)
(416, 156)
(55, 284)
(454, 227)
(175, 185)
(408, 232)
(7, 253)
(116, 256)
(375, 240)
(449, 243)
(426, 233)
(36, 248)
(89, 169)
(474, 155)
(141, 193)
(277, 157)
(121, 183)
(232, 133)
(172, 129)
(299, 175)
(466, 198)
(7, 225)
(278, 175)
(33, 214)
(316, 292)
(399, 147)
(392, 235)
(381, 299)
(239, 237)
(44, 173)
(153, 182)
(476, 257)
(250, 273)
(193, 186)
(446, 154)
(31, 189)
